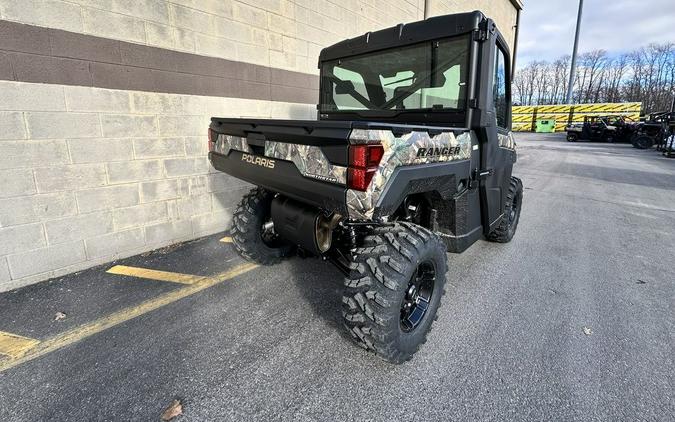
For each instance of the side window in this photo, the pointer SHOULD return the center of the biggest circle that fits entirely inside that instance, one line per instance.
(499, 89)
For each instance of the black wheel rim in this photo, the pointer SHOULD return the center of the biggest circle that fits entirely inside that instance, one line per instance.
(513, 213)
(417, 298)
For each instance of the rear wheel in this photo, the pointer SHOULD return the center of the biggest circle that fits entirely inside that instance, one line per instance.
(509, 223)
(252, 232)
(394, 289)
(572, 137)
(643, 142)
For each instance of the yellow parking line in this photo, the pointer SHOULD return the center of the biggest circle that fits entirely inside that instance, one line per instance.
(15, 346)
(226, 239)
(155, 274)
(87, 330)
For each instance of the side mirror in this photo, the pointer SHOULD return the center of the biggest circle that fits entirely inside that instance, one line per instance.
(344, 87)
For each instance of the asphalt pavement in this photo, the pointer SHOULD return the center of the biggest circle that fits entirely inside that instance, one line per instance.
(572, 320)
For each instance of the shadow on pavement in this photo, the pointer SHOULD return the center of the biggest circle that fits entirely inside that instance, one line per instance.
(321, 286)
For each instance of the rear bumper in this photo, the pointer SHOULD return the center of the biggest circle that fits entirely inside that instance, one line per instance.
(285, 179)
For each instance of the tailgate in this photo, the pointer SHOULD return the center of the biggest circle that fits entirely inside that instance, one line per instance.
(303, 159)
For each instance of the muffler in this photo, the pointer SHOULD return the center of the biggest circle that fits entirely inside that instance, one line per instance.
(302, 225)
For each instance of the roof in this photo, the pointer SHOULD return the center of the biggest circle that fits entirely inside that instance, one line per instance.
(404, 34)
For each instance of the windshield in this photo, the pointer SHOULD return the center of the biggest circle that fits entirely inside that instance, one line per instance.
(430, 75)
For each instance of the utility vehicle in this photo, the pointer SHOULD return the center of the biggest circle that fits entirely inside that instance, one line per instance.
(411, 157)
(653, 130)
(600, 128)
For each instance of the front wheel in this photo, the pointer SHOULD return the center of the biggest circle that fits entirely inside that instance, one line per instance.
(252, 232)
(504, 232)
(572, 137)
(394, 289)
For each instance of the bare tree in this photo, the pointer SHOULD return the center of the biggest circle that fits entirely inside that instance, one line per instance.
(559, 78)
(541, 80)
(646, 75)
(524, 83)
(616, 71)
(589, 69)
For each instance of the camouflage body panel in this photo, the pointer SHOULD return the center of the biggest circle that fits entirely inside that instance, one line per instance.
(398, 151)
(310, 161)
(403, 151)
(507, 141)
(225, 143)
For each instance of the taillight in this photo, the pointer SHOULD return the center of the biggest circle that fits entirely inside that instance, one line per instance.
(363, 162)
(213, 136)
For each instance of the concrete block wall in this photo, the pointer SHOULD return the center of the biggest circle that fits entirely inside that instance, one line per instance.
(91, 175)
(279, 33)
(104, 106)
(502, 12)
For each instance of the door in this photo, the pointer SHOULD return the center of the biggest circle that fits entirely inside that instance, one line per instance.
(497, 149)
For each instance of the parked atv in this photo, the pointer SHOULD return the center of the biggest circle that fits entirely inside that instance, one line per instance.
(411, 157)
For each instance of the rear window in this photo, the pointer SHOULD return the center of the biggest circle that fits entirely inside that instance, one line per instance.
(429, 75)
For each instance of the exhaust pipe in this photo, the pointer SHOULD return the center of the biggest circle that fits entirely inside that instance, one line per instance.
(302, 225)
(324, 231)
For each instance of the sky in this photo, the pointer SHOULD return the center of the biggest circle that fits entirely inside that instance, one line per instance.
(547, 26)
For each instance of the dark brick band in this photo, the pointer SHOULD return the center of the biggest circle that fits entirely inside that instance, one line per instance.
(43, 55)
